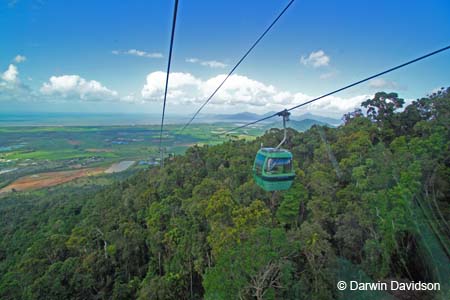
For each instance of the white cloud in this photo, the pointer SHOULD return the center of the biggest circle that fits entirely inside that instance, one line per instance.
(328, 75)
(207, 63)
(336, 104)
(11, 88)
(239, 93)
(186, 92)
(192, 60)
(179, 84)
(74, 86)
(213, 64)
(139, 53)
(238, 90)
(186, 88)
(316, 59)
(11, 74)
(131, 98)
(65, 86)
(380, 83)
(20, 58)
(144, 54)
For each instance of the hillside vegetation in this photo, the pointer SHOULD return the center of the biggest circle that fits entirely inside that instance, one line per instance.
(372, 194)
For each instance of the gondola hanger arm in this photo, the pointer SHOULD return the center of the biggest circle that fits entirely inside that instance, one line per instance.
(285, 114)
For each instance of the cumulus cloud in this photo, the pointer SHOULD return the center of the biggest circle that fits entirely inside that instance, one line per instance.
(19, 58)
(207, 63)
(238, 90)
(74, 86)
(66, 86)
(11, 74)
(381, 83)
(129, 98)
(186, 91)
(16, 92)
(316, 59)
(240, 93)
(337, 105)
(179, 85)
(11, 88)
(186, 88)
(139, 53)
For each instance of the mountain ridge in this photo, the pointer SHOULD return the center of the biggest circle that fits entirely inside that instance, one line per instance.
(249, 116)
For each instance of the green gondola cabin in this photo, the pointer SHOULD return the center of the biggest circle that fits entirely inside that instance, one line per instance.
(273, 169)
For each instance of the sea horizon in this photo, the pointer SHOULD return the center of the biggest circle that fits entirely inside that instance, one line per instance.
(85, 119)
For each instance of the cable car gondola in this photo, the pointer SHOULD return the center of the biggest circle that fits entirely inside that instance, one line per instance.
(273, 167)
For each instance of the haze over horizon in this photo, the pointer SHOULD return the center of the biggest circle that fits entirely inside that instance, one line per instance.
(111, 57)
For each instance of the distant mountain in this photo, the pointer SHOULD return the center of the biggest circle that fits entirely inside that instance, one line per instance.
(243, 116)
(248, 116)
(302, 125)
(309, 116)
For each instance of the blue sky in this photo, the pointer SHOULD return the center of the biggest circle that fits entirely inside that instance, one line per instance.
(110, 56)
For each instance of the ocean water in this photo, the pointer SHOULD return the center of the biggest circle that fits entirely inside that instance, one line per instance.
(84, 119)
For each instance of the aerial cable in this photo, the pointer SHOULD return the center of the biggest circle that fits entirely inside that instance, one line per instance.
(237, 64)
(339, 90)
(167, 80)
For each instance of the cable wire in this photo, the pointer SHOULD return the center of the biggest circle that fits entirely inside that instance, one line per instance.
(238, 63)
(340, 89)
(174, 20)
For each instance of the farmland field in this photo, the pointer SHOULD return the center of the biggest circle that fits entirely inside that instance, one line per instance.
(68, 152)
(48, 179)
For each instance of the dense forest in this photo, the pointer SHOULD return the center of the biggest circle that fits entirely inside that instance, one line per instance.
(371, 199)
